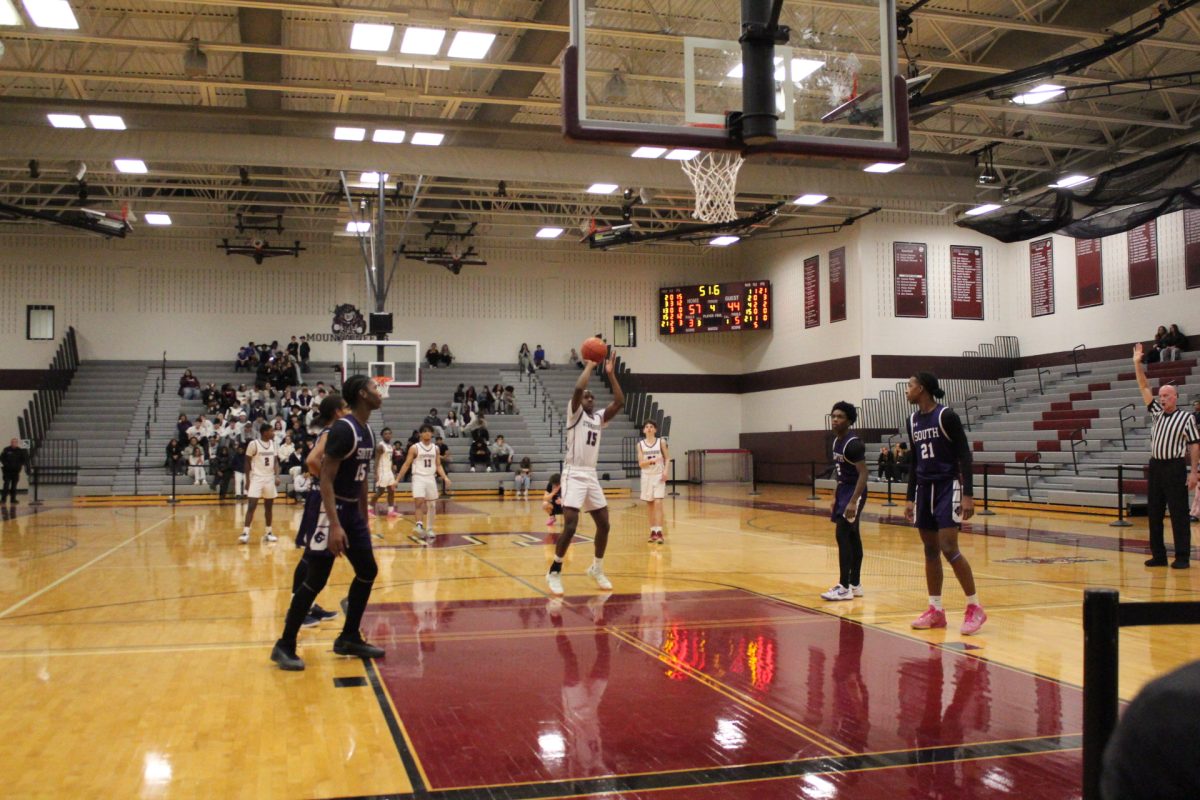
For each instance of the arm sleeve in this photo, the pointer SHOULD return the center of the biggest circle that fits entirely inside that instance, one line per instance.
(341, 440)
(962, 449)
(856, 451)
(911, 493)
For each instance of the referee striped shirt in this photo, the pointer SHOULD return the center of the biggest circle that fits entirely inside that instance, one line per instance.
(1172, 433)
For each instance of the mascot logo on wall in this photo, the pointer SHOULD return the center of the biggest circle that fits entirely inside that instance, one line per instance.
(348, 322)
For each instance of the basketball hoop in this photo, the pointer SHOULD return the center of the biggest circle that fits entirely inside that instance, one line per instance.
(383, 382)
(714, 178)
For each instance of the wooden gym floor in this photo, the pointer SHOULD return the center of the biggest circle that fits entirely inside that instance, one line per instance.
(134, 643)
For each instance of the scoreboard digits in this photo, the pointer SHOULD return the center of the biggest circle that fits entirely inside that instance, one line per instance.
(713, 307)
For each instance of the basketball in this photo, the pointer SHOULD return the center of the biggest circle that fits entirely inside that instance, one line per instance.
(594, 350)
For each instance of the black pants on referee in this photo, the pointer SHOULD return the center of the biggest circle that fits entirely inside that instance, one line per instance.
(11, 478)
(1167, 491)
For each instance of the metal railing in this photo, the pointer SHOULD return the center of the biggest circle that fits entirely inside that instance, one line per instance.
(1004, 384)
(1074, 443)
(1041, 387)
(1124, 419)
(968, 404)
(34, 422)
(1075, 357)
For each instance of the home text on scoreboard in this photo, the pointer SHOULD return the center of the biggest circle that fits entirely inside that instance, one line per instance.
(710, 307)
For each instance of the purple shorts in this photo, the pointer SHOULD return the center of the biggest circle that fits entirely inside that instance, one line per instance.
(939, 505)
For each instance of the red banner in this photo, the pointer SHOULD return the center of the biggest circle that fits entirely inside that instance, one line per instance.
(837, 285)
(1089, 273)
(1041, 277)
(966, 282)
(1191, 247)
(812, 292)
(908, 264)
(1143, 260)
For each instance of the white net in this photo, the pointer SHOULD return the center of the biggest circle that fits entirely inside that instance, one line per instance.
(714, 178)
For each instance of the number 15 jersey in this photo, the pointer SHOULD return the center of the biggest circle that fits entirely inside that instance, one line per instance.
(354, 443)
(583, 438)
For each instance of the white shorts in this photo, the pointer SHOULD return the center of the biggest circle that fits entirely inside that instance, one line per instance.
(653, 487)
(387, 479)
(581, 490)
(262, 487)
(424, 487)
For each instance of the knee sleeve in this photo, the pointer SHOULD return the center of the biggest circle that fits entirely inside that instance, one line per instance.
(317, 574)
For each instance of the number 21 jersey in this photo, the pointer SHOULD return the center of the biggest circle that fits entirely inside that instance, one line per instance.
(932, 449)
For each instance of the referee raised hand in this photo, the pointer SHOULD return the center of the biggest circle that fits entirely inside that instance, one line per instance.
(1174, 436)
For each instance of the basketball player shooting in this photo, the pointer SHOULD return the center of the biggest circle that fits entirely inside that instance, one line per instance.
(580, 487)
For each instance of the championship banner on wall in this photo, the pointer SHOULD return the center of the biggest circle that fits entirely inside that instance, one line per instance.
(1191, 247)
(1041, 277)
(1143, 260)
(837, 285)
(966, 282)
(1089, 273)
(812, 292)
(909, 268)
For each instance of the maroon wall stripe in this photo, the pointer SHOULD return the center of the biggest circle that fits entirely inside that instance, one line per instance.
(837, 369)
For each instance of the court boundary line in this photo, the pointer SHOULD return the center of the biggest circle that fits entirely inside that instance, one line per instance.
(64, 578)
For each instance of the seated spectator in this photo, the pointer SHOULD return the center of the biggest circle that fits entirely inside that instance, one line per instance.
(477, 428)
(508, 401)
(174, 455)
(887, 463)
(523, 478)
(304, 398)
(263, 353)
(539, 358)
(525, 358)
(434, 421)
(574, 360)
(289, 456)
(502, 455)
(222, 471)
(447, 358)
(293, 349)
(470, 396)
(210, 396)
(444, 449)
(487, 401)
(189, 386)
(196, 466)
(181, 427)
(1173, 344)
(552, 499)
(1153, 354)
(228, 396)
(480, 455)
(247, 357)
(450, 426)
(456, 402)
(901, 461)
(433, 356)
(497, 398)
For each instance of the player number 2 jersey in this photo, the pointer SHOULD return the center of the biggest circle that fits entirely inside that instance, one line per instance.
(262, 458)
(583, 437)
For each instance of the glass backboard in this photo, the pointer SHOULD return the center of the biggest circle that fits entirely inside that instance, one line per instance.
(400, 360)
(664, 82)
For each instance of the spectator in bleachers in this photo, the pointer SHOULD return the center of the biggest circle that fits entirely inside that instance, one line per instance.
(181, 427)
(574, 360)
(305, 353)
(433, 356)
(480, 455)
(189, 386)
(903, 458)
(237, 455)
(450, 425)
(552, 499)
(457, 400)
(222, 471)
(444, 449)
(523, 478)
(1153, 354)
(525, 358)
(887, 464)
(539, 358)
(196, 466)
(263, 353)
(434, 421)
(293, 349)
(508, 401)
(447, 358)
(471, 396)
(246, 358)
(502, 454)
(174, 455)
(1173, 344)
(477, 428)
(487, 401)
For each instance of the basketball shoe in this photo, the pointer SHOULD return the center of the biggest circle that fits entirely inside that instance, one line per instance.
(286, 657)
(838, 592)
(270, 537)
(554, 581)
(321, 613)
(857, 589)
(973, 620)
(244, 538)
(356, 647)
(597, 574)
(932, 618)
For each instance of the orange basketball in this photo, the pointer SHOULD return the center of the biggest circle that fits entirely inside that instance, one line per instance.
(594, 350)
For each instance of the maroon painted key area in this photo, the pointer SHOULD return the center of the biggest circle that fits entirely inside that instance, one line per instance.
(704, 688)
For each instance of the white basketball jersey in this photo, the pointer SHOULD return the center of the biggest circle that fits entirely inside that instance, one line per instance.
(425, 464)
(383, 457)
(263, 456)
(583, 437)
(653, 454)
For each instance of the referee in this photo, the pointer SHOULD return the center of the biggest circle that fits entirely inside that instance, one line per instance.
(1174, 434)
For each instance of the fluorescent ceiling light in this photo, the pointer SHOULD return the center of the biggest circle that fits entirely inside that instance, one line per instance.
(602, 188)
(425, 138)
(810, 199)
(984, 209)
(649, 152)
(350, 134)
(369, 36)
(157, 218)
(106, 122)
(1038, 94)
(66, 120)
(51, 14)
(803, 67)
(470, 44)
(682, 154)
(358, 227)
(549, 233)
(422, 41)
(725, 241)
(8, 13)
(1070, 180)
(883, 166)
(134, 165)
(371, 178)
(387, 136)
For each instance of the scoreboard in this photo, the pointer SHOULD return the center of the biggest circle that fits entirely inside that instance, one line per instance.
(715, 307)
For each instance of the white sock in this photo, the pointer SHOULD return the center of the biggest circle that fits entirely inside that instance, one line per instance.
(598, 563)
(246, 529)
(268, 529)
(972, 599)
(936, 602)
(558, 559)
